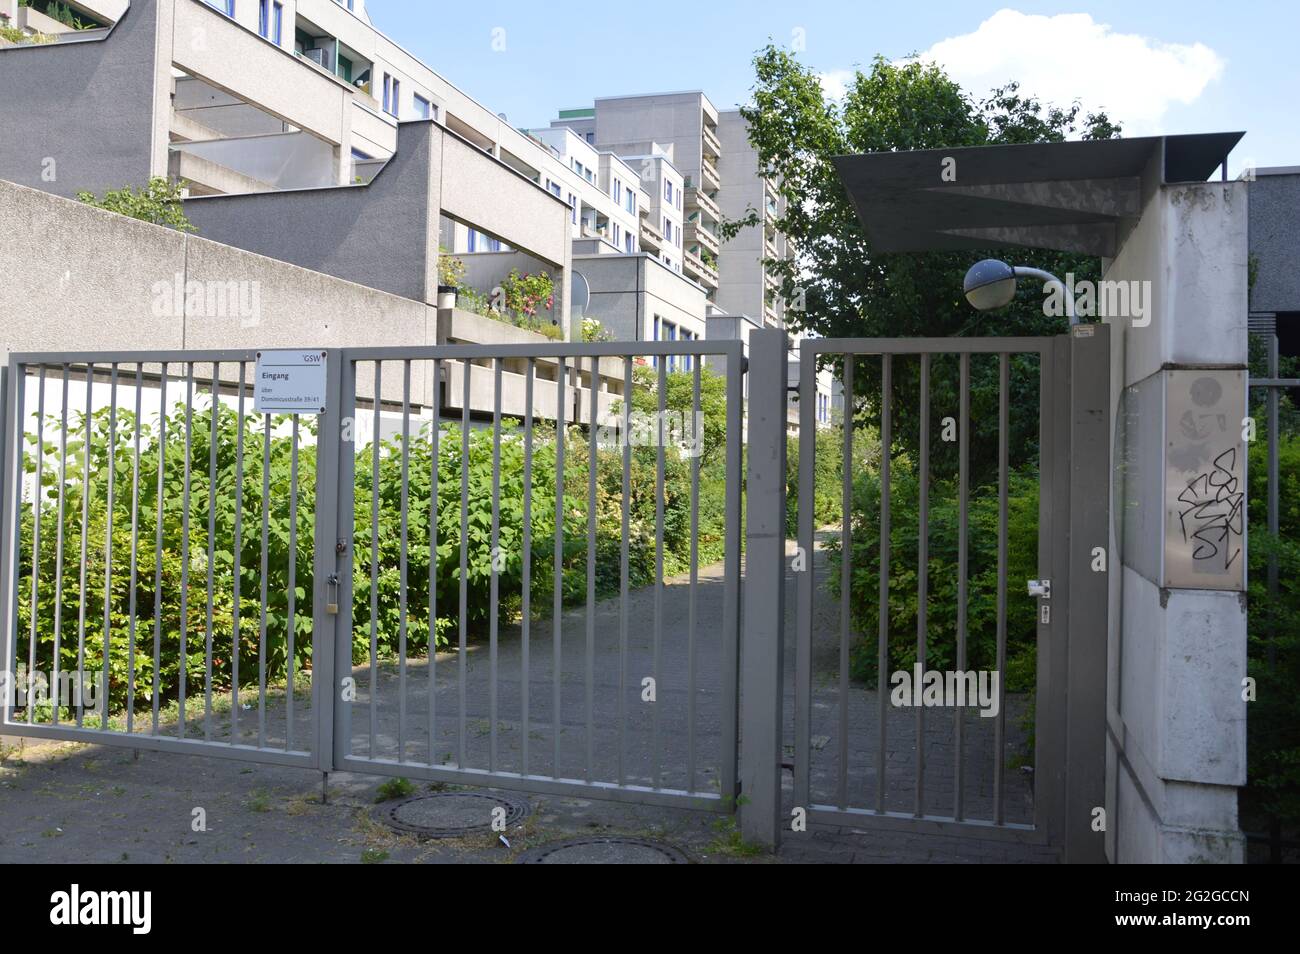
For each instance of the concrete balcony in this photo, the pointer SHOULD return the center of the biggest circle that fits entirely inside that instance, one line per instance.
(696, 269)
(278, 161)
(709, 175)
(457, 326)
(697, 198)
(244, 65)
(651, 238)
(206, 177)
(712, 144)
(698, 232)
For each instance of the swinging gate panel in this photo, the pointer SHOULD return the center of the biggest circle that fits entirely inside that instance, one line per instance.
(224, 581)
(944, 769)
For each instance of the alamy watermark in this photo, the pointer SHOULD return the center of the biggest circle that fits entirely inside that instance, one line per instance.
(36, 688)
(678, 429)
(939, 689)
(1117, 298)
(208, 299)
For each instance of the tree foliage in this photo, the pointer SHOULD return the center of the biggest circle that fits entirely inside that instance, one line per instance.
(160, 202)
(844, 288)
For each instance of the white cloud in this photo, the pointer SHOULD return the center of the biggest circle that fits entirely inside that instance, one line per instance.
(1133, 78)
(835, 84)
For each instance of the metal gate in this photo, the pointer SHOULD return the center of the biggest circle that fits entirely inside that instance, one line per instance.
(901, 747)
(267, 587)
(237, 584)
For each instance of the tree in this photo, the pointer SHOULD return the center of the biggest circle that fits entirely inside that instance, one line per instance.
(160, 203)
(845, 288)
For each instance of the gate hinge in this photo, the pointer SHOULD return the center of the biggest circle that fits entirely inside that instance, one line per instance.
(1041, 588)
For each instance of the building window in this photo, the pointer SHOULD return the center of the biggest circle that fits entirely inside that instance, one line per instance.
(668, 191)
(392, 94)
(264, 18)
(618, 191)
(631, 201)
(573, 207)
(225, 6)
(617, 236)
(423, 108)
(629, 241)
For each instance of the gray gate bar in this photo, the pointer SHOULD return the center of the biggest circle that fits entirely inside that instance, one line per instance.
(922, 572)
(36, 532)
(846, 567)
(882, 641)
(963, 542)
(58, 557)
(999, 724)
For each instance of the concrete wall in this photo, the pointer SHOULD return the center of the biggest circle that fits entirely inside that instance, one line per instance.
(385, 234)
(1274, 224)
(81, 279)
(1176, 722)
(375, 234)
(80, 116)
(627, 291)
(740, 268)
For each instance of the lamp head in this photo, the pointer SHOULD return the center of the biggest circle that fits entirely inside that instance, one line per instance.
(989, 284)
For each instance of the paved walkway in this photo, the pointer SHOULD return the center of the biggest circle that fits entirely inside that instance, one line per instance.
(75, 802)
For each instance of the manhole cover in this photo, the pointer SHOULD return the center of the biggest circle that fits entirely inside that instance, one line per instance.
(452, 814)
(605, 851)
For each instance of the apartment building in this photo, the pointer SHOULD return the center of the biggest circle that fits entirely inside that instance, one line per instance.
(746, 284)
(683, 129)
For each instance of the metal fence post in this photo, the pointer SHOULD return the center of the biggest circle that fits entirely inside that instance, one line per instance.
(764, 592)
(1089, 480)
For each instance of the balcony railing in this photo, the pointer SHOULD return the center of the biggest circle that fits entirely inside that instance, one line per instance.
(709, 173)
(651, 236)
(700, 199)
(711, 141)
(695, 267)
(697, 232)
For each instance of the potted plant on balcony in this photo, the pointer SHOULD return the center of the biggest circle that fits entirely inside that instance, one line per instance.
(451, 273)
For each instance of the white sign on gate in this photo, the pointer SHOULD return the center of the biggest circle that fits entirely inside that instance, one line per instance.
(289, 382)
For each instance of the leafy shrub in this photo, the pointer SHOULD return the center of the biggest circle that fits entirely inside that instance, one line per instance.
(1273, 626)
(171, 587)
(981, 606)
(160, 202)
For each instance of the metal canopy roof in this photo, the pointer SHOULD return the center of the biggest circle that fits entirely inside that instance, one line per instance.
(1069, 196)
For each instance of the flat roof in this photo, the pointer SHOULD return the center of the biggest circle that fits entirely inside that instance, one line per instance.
(1070, 196)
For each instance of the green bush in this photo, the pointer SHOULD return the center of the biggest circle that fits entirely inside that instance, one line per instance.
(1273, 622)
(828, 471)
(180, 567)
(982, 575)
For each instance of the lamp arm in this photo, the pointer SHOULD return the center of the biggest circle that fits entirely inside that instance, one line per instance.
(1030, 272)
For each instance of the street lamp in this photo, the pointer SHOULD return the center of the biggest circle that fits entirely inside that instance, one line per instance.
(991, 284)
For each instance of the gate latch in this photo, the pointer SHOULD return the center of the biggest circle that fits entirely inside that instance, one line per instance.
(1041, 588)
(332, 594)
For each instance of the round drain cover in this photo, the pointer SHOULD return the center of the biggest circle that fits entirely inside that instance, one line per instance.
(452, 814)
(605, 851)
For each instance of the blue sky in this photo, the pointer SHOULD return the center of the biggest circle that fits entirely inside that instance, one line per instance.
(1157, 67)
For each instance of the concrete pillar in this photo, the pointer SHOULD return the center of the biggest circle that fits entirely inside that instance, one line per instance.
(1176, 720)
